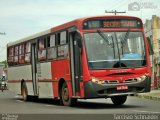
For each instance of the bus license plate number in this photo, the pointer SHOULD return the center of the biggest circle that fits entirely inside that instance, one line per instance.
(123, 87)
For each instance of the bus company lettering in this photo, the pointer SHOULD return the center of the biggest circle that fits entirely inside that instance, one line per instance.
(108, 24)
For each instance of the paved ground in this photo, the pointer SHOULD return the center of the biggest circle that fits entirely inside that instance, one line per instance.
(11, 104)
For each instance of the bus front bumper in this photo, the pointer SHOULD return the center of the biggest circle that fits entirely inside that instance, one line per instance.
(94, 90)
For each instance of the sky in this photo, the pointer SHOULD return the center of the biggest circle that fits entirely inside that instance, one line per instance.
(22, 18)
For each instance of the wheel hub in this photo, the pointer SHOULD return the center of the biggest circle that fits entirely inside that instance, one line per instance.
(65, 94)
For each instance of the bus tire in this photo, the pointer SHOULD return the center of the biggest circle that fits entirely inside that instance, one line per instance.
(65, 99)
(24, 92)
(119, 100)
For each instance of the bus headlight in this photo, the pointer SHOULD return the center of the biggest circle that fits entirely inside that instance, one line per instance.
(141, 78)
(95, 80)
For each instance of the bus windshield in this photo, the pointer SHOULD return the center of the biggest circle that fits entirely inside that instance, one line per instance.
(115, 49)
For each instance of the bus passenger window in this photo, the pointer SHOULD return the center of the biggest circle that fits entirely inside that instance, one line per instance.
(63, 38)
(63, 51)
(52, 50)
(16, 59)
(52, 53)
(27, 52)
(51, 41)
(16, 50)
(10, 56)
(63, 48)
(21, 54)
(41, 44)
(16, 55)
(28, 47)
(42, 49)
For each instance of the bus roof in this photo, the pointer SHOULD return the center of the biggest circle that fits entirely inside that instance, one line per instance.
(29, 38)
(63, 26)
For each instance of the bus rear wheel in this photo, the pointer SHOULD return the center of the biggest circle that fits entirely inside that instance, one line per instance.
(65, 99)
(119, 100)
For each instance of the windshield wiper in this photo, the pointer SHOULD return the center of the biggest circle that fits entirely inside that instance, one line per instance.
(125, 38)
(108, 41)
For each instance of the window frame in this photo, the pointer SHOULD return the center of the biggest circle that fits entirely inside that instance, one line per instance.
(27, 52)
(16, 55)
(52, 47)
(59, 46)
(22, 53)
(56, 45)
(10, 62)
(43, 50)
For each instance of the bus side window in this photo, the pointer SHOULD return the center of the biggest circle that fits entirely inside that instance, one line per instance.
(27, 52)
(51, 45)
(21, 53)
(63, 38)
(16, 55)
(42, 49)
(63, 44)
(10, 56)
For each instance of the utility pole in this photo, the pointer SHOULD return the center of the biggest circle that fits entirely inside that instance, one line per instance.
(115, 12)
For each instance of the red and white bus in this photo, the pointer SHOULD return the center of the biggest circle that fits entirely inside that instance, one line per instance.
(92, 57)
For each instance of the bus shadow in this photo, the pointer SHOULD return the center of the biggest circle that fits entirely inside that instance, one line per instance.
(84, 104)
(98, 105)
(48, 101)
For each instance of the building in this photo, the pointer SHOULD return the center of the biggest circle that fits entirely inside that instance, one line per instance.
(152, 31)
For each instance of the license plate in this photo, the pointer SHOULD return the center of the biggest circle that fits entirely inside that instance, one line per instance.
(123, 87)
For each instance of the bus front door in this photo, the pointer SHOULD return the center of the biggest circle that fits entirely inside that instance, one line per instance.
(75, 61)
(34, 69)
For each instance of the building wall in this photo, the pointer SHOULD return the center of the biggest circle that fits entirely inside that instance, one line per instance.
(152, 30)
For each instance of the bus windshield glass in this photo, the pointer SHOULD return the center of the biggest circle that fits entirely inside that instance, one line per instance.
(107, 50)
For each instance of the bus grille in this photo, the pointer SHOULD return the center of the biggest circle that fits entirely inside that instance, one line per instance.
(116, 81)
(112, 81)
(130, 80)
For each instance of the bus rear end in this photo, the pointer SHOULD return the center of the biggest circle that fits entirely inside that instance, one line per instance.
(117, 58)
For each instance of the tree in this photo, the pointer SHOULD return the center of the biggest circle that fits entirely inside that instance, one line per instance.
(5, 63)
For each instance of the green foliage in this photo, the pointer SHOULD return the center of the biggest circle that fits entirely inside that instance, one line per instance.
(5, 63)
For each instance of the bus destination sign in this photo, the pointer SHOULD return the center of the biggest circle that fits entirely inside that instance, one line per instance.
(112, 23)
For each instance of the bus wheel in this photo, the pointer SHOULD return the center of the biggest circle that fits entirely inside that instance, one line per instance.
(66, 100)
(119, 100)
(24, 92)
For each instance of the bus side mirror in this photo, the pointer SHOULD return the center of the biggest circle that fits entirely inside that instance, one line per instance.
(151, 52)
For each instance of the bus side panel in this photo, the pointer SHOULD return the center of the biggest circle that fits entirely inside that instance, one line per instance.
(16, 74)
(45, 79)
(60, 70)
